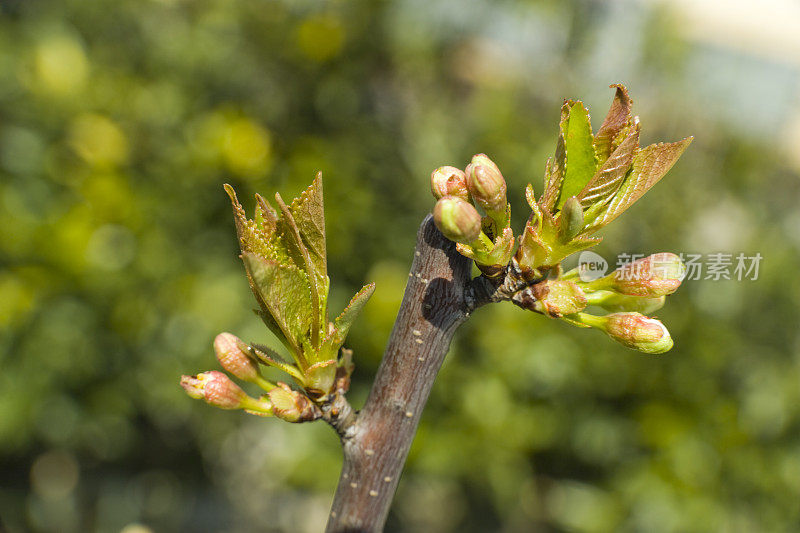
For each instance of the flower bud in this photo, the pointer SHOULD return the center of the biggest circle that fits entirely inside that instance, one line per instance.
(486, 185)
(639, 332)
(458, 220)
(216, 389)
(652, 276)
(449, 181)
(570, 222)
(555, 298)
(232, 354)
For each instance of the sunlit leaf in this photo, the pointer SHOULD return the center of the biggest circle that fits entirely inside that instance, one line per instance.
(284, 293)
(556, 166)
(649, 166)
(251, 237)
(258, 238)
(611, 173)
(318, 283)
(346, 319)
(289, 235)
(341, 325)
(270, 357)
(579, 145)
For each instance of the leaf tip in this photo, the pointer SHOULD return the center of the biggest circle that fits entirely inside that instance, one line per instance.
(231, 193)
(622, 92)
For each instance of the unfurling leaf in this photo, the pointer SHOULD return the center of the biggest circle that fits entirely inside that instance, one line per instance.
(579, 145)
(318, 284)
(649, 166)
(617, 119)
(611, 173)
(347, 317)
(341, 325)
(502, 251)
(255, 237)
(530, 197)
(556, 167)
(308, 212)
(268, 356)
(284, 294)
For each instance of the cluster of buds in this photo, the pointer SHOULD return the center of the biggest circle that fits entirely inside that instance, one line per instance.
(241, 361)
(590, 181)
(628, 294)
(284, 255)
(488, 240)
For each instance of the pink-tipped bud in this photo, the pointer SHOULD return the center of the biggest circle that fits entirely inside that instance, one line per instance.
(486, 184)
(457, 220)
(216, 389)
(639, 332)
(232, 354)
(652, 276)
(449, 181)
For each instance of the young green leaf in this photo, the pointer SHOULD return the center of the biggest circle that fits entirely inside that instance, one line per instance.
(284, 293)
(341, 326)
(347, 317)
(530, 197)
(259, 238)
(579, 145)
(289, 235)
(555, 168)
(574, 246)
(252, 238)
(270, 357)
(317, 284)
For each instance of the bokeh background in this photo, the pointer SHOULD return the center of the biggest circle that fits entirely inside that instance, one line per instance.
(121, 119)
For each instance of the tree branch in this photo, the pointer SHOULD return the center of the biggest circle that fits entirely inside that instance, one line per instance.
(376, 446)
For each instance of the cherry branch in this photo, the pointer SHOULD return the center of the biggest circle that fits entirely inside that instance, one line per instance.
(437, 300)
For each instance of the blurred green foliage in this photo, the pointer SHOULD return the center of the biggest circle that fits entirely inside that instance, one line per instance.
(119, 122)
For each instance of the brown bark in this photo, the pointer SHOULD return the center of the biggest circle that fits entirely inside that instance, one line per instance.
(437, 299)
